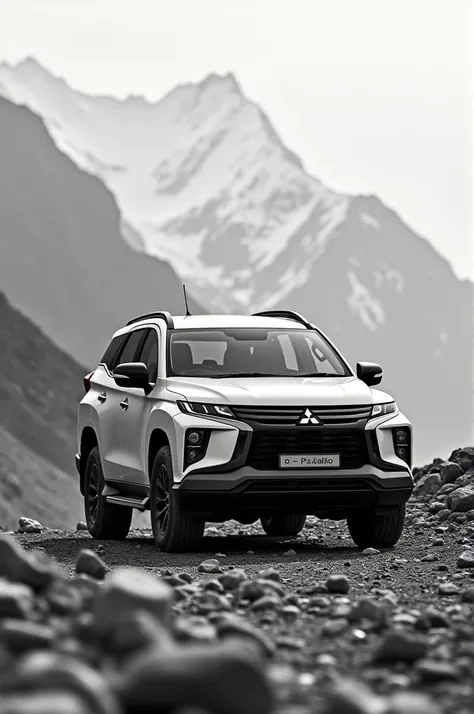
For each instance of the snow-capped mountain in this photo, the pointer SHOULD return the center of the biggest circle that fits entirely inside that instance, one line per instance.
(200, 175)
(203, 181)
(63, 261)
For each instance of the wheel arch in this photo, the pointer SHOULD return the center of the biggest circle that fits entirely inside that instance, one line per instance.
(158, 439)
(88, 442)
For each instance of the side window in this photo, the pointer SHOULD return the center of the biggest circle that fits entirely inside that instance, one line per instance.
(149, 354)
(130, 347)
(112, 350)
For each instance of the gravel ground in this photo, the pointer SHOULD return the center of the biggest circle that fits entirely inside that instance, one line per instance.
(310, 647)
(251, 624)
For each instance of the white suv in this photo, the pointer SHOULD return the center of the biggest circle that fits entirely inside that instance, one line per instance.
(218, 417)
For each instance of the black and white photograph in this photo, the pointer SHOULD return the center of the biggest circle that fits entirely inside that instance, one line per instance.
(236, 357)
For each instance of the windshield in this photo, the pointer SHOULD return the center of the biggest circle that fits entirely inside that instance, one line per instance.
(251, 352)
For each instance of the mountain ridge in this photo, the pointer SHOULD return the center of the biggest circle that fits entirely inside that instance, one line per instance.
(209, 78)
(184, 99)
(202, 179)
(157, 245)
(63, 261)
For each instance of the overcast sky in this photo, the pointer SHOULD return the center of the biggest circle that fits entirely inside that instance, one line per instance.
(374, 95)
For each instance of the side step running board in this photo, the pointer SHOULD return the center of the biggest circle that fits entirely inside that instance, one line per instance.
(139, 504)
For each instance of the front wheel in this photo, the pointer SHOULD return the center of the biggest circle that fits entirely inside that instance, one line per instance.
(173, 529)
(283, 524)
(105, 521)
(377, 529)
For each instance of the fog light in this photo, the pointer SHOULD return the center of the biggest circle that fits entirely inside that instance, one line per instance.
(195, 446)
(401, 452)
(194, 437)
(400, 435)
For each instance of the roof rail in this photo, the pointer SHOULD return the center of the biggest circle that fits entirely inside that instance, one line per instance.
(286, 315)
(150, 315)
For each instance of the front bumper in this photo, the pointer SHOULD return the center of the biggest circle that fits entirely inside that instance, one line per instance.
(240, 469)
(291, 491)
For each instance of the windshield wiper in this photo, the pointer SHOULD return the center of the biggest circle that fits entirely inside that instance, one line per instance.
(321, 374)
(265, 374)
(247, 374)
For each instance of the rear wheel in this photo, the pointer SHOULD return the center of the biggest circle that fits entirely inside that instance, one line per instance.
(283, 524)
(105, 521)
(173, 529)
(377, 529)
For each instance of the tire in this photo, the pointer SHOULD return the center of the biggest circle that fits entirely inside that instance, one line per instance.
(370, 529)
(284, 524)
(105, 521)
(174, 530)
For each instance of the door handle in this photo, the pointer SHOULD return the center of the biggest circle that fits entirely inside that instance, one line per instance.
(124, 404)
(102, 397)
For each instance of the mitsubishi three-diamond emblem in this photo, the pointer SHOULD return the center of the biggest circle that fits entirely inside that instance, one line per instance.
(308, 418)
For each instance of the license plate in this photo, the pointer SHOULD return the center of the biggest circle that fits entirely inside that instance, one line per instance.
(309, 461)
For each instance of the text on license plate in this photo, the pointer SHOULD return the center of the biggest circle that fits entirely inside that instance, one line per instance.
(309, 461)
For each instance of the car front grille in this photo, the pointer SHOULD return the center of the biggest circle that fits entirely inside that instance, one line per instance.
(290, 416)
(267, 445)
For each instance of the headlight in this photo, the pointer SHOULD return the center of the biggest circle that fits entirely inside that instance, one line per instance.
(206, 409)
(379, 410)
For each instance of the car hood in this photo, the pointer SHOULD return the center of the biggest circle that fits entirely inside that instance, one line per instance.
(293, 391)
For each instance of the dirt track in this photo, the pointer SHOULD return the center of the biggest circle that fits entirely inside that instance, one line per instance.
(313, 631)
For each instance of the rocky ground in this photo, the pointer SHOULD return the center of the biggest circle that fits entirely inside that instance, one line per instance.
(251, 625)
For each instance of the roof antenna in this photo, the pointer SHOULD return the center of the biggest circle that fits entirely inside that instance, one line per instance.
(188, 314)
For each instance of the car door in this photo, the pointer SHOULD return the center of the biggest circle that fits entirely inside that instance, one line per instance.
(119, 395)
(104, 399)
(134, 417)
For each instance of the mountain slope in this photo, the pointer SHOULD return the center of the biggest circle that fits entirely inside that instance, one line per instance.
(384, 295)
(31, 486)
(40, 387)
(63, 261)
(204, 181)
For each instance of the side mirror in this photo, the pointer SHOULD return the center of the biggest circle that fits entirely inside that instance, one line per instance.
(370, 373)
(132, 374)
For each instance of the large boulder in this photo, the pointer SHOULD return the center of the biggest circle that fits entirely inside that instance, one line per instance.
(450, 471)
(428, 484)
(462, 499)
(466, 458)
